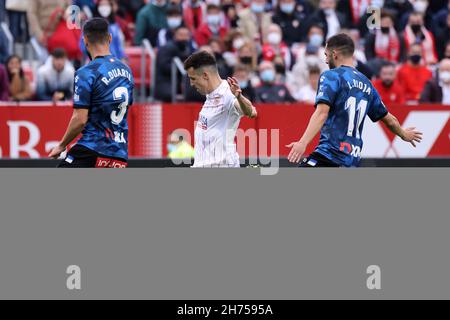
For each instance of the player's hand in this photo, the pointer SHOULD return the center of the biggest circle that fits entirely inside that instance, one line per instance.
(298, 149)
(56, 152)
(235, 87)
(412, 136)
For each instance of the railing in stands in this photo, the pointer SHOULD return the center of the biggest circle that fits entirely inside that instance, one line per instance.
(177, 65)
(147, 49)
(9, 36)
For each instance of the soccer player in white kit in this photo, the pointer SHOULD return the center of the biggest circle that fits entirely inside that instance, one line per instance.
(219, 118)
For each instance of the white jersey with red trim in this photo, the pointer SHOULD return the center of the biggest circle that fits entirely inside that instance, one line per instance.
(216, 129)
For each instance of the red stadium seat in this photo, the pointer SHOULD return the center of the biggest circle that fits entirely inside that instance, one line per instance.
(134, 57)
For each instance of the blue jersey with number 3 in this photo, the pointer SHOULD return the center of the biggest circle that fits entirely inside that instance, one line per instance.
(105, 87)
(350, 96)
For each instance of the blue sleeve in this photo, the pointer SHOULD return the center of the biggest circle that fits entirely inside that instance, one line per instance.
(377, 110)
(328, 88)
(83, 87)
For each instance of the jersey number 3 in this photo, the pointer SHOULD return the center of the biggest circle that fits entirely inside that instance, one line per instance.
(120, 93)
(354, 112)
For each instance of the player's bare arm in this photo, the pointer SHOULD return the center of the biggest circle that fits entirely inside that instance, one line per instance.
(410, 135)
(246, 105)
(75, 127)
(315, 125)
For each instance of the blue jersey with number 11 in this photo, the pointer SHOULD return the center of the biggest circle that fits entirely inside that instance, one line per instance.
(350, 96)
(105, 87)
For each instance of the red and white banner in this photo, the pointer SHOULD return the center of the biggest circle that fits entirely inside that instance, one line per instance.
(30, 131)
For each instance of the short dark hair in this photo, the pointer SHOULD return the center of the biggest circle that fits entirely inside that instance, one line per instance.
(314, 70)
(96, 30)
(342, 43)
(212, 7)
(386, 64)
(173, 11)
(59, 53)
(386, 14)
(200, 59)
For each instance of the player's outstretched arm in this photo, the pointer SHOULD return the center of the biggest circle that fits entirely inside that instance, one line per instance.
(244, 104)
(410, 135)
(315, 124)
(75, 127)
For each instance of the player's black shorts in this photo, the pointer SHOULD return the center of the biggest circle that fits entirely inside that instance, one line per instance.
(315, 160)
(82, 157)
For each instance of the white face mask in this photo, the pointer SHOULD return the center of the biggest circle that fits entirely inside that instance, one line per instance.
(105, 10)
(274, 38)
(238, 43)
(214, 2)
(377, 3)
(444, 76)
(420, 6)
(174, 22)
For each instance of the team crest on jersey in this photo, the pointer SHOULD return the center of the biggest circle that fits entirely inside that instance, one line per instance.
(203, 122)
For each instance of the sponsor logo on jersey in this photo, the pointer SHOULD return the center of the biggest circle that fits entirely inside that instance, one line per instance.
(203, 122)
(354, 151)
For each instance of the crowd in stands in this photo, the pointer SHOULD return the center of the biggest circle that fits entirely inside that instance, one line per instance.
(275, 48)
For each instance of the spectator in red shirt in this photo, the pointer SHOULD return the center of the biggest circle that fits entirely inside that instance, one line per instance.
(193, 14)
(413, 74)
(212, 27)
(275, 47)
(388, 87)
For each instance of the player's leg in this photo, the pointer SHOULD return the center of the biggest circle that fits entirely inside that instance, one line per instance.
(79, 157)
(316, 160)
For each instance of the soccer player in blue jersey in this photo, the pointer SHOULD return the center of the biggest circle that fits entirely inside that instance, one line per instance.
(102, 95)
(344, 98)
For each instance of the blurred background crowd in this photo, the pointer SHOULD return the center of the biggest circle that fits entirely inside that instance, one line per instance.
(274, 48)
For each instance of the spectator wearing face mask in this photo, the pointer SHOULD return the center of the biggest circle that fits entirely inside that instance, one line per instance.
(416, 33)
(180, 48)
(212, 27)
(416, 7)
(150, 20)
(254, 21)
(291, 21)
(275, 47)
(388, 86)
(247, 55)
(269, 91)
(233, 41)
(413, 74)
(174, 20)
(242, 74)
(385, 43)
(307, 93)
(437, 90)
(104, 9)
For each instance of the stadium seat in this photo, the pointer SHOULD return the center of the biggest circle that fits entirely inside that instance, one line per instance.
(134, 55)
